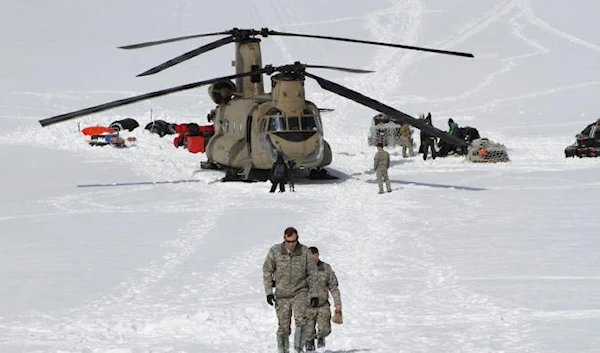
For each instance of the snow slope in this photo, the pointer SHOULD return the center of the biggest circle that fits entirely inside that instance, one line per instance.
(459, 258)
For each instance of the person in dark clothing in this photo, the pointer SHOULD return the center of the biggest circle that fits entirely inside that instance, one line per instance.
(446, 147)
(427, 141)
(277, 176)
(453, 128)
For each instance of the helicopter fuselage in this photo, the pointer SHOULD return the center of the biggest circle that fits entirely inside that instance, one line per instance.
(252, 132)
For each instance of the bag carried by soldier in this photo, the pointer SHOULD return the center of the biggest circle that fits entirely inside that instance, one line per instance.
(337, 318)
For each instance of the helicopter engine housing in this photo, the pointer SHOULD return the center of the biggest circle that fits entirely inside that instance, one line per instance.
(221, 92)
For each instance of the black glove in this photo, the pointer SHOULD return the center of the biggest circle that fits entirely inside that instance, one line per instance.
(314, 302)
(271, 299)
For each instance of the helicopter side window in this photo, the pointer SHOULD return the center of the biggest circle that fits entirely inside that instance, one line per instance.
(309, 123)
(277, 124)
(293, 123)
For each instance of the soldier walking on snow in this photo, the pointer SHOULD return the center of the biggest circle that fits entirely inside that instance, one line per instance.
(320, 314)
(381, 165)
(294, 272)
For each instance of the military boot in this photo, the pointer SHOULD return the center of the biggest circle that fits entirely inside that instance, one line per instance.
(283, 344)
(320, 342)
(299, 338)
(310, 345)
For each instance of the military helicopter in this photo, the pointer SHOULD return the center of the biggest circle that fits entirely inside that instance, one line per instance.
(252, 127)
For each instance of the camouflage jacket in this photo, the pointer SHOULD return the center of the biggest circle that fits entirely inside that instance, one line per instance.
(293, 272)
(405, 130)
(327, 282)
(382, 160)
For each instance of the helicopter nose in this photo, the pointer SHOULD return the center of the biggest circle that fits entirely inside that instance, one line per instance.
(305, 151)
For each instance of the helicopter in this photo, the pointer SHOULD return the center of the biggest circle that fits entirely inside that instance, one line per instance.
(252, 127)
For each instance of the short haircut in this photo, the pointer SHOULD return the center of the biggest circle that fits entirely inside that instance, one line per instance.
(290, 231)
(314, 250)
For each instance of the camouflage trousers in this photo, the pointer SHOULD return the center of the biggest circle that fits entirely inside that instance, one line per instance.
(285, 307)
(407, 146)
(320, 317)
(382, 176)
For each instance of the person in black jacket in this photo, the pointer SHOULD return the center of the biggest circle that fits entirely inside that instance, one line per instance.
(427, 141)
(277, 176)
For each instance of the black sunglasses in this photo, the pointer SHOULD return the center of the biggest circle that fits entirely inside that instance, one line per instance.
(290, 236)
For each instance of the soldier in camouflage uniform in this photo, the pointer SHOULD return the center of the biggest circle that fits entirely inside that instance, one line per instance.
(406, 141)
(291, 269)
(381, 165)
(320, 315)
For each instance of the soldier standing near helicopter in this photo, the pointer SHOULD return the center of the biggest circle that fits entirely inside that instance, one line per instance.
(406, 141)
(321, 315)
(292, 268)
(381, 165)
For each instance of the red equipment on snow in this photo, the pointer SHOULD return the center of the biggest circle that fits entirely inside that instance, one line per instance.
(194, 137)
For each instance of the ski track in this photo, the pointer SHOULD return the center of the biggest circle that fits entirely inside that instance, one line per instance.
(536, 21)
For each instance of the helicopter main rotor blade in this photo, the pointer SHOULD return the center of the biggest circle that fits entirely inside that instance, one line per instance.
(126, 101)
(190, 54)
(396, 115)
(438, 51)
(170, 40)
(345, 69)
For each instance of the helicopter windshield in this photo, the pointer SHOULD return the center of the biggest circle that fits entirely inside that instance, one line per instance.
(293, 123)
(309, 123)
(277, 124)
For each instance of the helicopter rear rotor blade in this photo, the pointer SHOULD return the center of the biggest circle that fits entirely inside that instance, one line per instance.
(438, 51)
(170, 40)
(395, 115)
(190, 54)
(141, 97)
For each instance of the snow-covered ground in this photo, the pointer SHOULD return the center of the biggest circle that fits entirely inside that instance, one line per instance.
(459, 258)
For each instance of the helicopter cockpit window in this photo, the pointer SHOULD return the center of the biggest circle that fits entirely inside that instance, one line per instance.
(274, 112)
(309, 123)
(293, 123)
(277, 124)
(310, 119)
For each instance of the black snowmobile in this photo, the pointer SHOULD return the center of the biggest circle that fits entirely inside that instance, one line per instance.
(466, 133)
(585, 144)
